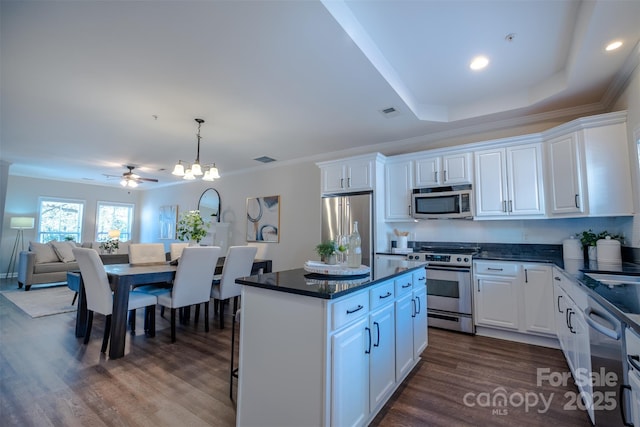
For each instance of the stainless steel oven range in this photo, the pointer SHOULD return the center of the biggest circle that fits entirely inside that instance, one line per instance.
(449, 291)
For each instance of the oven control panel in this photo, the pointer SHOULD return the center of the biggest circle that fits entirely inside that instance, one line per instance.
(441, 259)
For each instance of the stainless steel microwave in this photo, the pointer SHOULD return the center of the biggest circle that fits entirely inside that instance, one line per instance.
(443, 202)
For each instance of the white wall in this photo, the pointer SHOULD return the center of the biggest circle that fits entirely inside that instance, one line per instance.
(630, 101)
(22, 199)
(297, 185)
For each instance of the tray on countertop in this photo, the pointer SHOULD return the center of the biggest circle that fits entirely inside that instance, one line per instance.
(341, 270)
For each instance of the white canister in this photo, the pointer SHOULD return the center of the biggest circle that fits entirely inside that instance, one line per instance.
(609, 251)
(572, 249)
(402, 242)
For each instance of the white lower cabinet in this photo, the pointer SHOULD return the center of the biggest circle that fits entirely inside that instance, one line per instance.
(382, 375)
(573, 332)
(350, 375)
(514, 296)
(496, 296)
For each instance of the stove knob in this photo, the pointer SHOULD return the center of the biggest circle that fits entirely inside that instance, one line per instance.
(459, 259)
(410, 256)
(466, 259)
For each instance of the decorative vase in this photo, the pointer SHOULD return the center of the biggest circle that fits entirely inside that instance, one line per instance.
(194, 243)
(593, 253)
(331, 259)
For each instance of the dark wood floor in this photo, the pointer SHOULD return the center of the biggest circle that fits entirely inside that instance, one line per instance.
(48, 377)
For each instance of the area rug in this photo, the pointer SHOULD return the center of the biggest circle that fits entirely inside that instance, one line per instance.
(42, 302)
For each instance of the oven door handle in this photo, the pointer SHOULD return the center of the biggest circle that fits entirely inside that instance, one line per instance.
(457, 270)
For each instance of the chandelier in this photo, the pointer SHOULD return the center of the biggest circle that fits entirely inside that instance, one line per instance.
(191, 171)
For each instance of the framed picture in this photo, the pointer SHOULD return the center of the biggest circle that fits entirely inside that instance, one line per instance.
(263, 219)
(168, 221)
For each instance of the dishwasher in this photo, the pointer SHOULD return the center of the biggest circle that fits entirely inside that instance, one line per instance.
(607, 367)
(632, 412)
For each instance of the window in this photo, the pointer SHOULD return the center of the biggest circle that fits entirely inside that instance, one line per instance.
(60, 219)
(114, 216)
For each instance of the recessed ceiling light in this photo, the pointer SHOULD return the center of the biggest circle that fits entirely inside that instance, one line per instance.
(479, 62)
(613, 45)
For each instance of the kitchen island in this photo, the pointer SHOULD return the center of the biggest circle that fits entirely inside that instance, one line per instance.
(319, 352)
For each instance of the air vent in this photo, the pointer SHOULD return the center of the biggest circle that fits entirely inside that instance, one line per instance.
(265, 159)
(389, 112)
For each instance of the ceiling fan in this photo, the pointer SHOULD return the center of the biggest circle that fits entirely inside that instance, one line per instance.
(130, 179)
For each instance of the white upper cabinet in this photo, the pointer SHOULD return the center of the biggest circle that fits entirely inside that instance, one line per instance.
(565, 173)
(398, 180)
(348, 175)
(588, 167)
(450, 169)
(509, 182)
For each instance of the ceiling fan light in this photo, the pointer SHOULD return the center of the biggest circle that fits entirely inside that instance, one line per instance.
(188, 174)
(196, 169)
(123, 182)
(214, 172)
(132, 184)
(178, 169)
(207, 176)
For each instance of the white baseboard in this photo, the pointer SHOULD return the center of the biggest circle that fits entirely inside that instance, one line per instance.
(551, 342)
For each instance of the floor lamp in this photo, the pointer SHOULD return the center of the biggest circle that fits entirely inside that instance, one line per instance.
(19, 223)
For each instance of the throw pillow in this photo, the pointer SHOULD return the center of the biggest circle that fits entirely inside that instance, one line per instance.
(64, 251)
(44, 252)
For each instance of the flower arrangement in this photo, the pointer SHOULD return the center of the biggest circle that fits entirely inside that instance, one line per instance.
(110, 245)
(192, 227)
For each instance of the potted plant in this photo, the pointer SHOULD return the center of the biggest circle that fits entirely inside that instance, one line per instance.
(327, 251)
(589, 239)
(192, 227)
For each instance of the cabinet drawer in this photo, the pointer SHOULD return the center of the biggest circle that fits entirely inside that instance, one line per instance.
(381, 295)
(496, 268)
(349, 309)
(403, 284)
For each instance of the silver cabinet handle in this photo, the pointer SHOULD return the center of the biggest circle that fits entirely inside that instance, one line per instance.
(504, 206)
(349, 182)
(510, 206)
(445, 176)
(436, 175)
(576, 200)
(494, 269)
(526, 277)
(478, 285)
(341, 182)
(559, 311)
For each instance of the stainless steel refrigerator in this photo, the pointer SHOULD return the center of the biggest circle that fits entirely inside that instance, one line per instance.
(341, 210)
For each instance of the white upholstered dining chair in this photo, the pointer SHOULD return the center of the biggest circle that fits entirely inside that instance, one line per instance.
(175, 250)
(192, 284)
(146, 253)
(237, 263)
(100, 297)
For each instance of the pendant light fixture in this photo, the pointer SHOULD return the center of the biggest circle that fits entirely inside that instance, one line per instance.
(191, 171)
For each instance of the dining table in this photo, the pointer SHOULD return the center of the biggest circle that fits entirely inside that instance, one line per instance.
(125, 277)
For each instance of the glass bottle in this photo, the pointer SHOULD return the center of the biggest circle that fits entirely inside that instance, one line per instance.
(355, 250)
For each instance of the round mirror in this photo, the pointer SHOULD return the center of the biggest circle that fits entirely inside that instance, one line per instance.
(209, 205)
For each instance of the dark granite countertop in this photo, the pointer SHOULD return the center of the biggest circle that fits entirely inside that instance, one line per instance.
(301, 282)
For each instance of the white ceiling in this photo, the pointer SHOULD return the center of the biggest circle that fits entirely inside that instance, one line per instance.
(83, 82)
